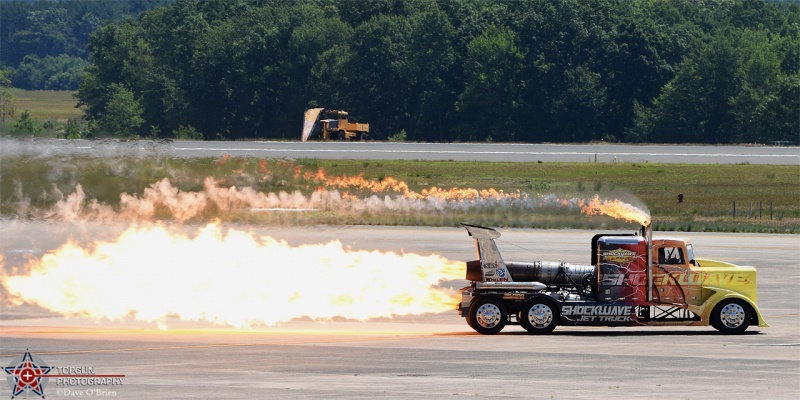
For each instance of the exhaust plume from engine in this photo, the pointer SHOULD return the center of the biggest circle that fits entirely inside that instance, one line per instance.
(390, 184)
(343, 195)
(616, 209)
(268, 191)
(229, 277)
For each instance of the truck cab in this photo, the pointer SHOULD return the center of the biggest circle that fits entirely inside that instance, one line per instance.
(676, 280)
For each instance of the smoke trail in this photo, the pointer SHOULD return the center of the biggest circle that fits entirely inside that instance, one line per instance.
(165, 200)
(245, 190)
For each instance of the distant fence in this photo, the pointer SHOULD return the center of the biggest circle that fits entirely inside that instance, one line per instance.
(749, 212)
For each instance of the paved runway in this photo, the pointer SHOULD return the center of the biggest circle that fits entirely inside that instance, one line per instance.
(495, 152)
(429, 356)
(515, 152)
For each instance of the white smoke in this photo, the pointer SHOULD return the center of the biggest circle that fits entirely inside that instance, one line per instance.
(164, 199)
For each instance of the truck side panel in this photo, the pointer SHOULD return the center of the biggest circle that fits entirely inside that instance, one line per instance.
(623, 269)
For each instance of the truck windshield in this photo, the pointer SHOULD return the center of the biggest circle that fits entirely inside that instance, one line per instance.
(671, 255)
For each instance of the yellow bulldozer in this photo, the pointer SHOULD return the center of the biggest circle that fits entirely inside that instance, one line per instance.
(332, 125)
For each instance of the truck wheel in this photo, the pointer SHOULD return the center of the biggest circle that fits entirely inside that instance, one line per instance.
(539, 316)
(364, 136)
(340, 135)
(731, 316)
(487, 316)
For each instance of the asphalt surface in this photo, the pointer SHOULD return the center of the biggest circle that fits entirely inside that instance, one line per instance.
(428, 356)
(491, 152)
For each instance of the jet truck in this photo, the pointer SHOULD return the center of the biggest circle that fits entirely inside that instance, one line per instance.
(633, 280)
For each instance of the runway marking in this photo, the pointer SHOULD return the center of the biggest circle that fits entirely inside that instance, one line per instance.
(536, 153)
(781, 316)
(351, 339)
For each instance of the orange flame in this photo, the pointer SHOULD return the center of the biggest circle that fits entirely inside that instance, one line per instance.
(401, 187)
(230, 278)
(616, 209)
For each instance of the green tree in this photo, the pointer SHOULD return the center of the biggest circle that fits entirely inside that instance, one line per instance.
(123, 113)
(243, 74)
(50, 73)
(490, 103)
(7, 98)
(48, 33)
(381, 71)
(113, 50)
(729, 90)
(320, 50)
(26, 124)
(56, 29)
(72, 129)
(434, 84)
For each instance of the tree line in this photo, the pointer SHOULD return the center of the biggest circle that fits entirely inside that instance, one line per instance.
(669, 71)
(44, 42)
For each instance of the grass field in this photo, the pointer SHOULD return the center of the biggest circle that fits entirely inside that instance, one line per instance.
(767, 197)
(50, 110)
(44, 105)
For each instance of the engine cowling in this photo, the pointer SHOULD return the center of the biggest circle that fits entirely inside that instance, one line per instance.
(549, 273)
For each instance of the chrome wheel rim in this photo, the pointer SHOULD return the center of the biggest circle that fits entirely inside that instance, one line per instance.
(732, 315)
(540, 315)
(488, 315)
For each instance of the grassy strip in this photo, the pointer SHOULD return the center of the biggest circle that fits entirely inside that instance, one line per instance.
(47, 105)
(709, 190)
(50, 110)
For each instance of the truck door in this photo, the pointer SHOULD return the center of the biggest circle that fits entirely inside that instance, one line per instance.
(694, 278)
(672, 276)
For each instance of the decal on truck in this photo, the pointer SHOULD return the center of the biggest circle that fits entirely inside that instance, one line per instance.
(598, 313)
(618, 255)
(683, 278)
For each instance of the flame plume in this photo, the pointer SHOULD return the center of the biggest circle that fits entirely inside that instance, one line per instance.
(616, 209)
(231, 278)
(390, 184)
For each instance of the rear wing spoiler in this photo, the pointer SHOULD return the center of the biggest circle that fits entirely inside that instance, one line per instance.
(493, 267)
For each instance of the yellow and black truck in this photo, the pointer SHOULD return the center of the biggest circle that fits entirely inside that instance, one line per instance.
(633, 280)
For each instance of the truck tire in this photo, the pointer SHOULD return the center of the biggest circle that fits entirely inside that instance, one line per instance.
(487, 316)
(364, 137)
(731, 316)
(539, 316)
(470, 322)
(340, 135)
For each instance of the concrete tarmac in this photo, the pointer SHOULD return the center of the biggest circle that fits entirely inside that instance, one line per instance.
(427, 356)
(486, 152)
